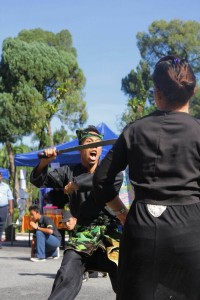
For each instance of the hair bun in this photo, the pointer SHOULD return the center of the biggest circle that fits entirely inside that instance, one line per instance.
(188, 85)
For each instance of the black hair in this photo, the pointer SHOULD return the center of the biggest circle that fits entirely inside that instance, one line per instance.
(35, 208)
(90, 128)
(175, 78)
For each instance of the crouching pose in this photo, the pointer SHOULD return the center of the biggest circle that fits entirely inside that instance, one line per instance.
(46, 238)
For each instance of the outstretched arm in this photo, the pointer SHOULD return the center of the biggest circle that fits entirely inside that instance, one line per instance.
(56, 179)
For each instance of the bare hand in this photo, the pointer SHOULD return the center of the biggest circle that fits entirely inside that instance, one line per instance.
(50, 153)
(70, 188)
(34, 225)
(10, 211)
(122, 217)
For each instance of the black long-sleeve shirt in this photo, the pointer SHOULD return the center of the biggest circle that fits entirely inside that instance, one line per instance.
(82, 202)
(162, 151)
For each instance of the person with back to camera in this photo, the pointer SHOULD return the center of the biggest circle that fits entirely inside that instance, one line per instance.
(96, 244)
(160, 245)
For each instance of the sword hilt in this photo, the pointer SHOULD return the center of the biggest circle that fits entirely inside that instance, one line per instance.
(42, 154)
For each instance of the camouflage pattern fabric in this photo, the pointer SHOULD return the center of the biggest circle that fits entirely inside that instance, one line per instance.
(102, 233)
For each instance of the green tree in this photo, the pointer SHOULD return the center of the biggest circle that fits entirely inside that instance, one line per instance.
(163, 38)
(60, 136)
(37, 78)
(4, 162)
(61, 41)
(64, 83)
(195, 105)
(137, 85)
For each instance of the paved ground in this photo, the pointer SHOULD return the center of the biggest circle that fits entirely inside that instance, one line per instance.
(22, 279)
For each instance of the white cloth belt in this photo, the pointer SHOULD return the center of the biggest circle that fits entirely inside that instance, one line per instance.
(156, 210)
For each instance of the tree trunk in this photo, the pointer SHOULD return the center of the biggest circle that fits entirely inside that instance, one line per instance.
(14, 179)
(50, 134)
(46, 138)
(16, 184)
(11, 160)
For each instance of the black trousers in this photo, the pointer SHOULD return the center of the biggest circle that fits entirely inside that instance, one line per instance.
(160, 256)
(68, 280)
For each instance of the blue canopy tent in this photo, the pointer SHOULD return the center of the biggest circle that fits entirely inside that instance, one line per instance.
(31, 159)
(5, 173)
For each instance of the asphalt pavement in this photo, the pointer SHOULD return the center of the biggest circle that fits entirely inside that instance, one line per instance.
(21, 279)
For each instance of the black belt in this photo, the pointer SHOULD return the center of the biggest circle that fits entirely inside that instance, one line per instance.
(3, 206)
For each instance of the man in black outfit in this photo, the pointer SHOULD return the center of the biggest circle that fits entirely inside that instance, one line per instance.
(98, 227)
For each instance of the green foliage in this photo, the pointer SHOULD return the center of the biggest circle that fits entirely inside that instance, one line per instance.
(61, 41)
(15, 214)
(138, 86)
(68, 97)
(19, 99)
(163, 38)
(195, 105)
(16, 150)
(34, 68)
(129, 116)
(4, 162)
(73, 111)
(60, 136)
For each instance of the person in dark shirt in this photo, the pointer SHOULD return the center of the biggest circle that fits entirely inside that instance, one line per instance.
(69, 221)
(160, 245)
(96, 244)
(46, 238)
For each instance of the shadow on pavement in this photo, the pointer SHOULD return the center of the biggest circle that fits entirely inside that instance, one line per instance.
(38, 274)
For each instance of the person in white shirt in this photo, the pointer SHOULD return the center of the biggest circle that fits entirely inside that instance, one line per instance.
(6, 205)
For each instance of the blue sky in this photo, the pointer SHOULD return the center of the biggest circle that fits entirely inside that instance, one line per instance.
(104, 34)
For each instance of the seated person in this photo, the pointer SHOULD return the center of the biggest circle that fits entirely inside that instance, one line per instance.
(46, 238)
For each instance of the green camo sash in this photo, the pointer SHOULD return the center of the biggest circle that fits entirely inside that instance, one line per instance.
(86, 239)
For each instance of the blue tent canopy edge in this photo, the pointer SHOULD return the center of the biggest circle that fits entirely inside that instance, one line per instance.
(5, 173)
(31, 159)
